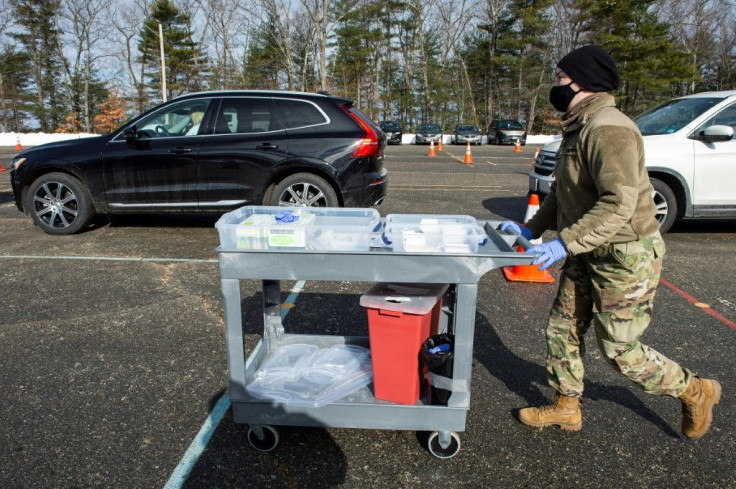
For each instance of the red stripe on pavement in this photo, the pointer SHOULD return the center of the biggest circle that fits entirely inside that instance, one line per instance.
(707, 309)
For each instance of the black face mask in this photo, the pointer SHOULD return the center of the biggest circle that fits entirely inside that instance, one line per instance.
(560, 96)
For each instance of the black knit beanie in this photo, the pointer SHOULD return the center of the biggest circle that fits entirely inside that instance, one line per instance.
(592, 68)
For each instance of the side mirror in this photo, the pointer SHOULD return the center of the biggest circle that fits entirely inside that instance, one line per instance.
(130, 133)
(717, 133)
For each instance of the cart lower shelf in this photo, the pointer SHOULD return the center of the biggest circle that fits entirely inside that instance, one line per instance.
(360, 409)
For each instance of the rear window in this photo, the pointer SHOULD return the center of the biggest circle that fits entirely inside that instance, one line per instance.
(299, 113)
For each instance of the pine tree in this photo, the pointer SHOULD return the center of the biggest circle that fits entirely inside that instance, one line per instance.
(186, 64)
(651, 64)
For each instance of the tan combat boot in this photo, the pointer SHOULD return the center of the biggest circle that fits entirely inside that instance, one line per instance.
(697, 406)
(564, 412)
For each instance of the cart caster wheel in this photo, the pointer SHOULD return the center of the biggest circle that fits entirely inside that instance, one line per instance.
(268, 442)
(436, 449)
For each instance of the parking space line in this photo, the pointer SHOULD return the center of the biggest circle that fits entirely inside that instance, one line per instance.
(705, 307)
(198, 445)
(105, 258)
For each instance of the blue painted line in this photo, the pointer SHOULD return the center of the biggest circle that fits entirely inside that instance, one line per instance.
(181, 472)
(198, 445)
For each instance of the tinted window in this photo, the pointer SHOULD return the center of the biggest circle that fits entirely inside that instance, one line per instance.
(299, 113)
(673, 115)
(246, 115)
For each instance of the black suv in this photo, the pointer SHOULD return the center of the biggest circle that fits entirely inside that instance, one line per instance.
(392, 130)
(210, 151)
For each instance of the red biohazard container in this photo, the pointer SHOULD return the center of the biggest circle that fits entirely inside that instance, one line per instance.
(400, 318)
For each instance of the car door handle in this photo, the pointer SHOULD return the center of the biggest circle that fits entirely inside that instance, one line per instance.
(180, 150)
(267, 146)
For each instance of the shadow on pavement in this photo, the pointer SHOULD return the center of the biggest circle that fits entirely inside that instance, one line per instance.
(525, 378)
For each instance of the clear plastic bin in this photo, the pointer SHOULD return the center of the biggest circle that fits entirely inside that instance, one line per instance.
(314, 377)
(433, 233)
(311, 228)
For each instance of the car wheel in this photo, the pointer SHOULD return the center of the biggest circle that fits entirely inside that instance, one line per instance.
(666, 203)
(304, 190)
(59, 204)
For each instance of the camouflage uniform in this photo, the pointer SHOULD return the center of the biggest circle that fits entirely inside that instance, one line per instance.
(613, 286)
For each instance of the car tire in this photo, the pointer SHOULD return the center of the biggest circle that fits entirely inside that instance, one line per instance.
(666, 203)
(59, 204)
(304, 190)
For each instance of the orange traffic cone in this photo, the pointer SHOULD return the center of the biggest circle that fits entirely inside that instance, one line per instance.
(432, 154)
(1, 168)
(536, 155)
(532, 209)
(468, 160)
(18, 147)
(527, 273)
(439, 143)
(517, 146)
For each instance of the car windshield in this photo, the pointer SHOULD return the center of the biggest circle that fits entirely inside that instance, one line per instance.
(467, 128)
(509, 125)
(390, 126)
(673, 115)
(429, 128)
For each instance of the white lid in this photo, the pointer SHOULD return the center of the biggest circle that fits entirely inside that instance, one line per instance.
(407, 298)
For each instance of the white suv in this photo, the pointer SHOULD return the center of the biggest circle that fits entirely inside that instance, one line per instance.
(690, 154)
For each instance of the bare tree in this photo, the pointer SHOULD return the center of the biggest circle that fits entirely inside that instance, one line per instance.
(230, 26)
(127, 22)
(85, 28)
(456, 17)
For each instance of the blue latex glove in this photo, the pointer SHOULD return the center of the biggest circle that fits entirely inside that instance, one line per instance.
(515, 228)
(286, 217)
(551, 252)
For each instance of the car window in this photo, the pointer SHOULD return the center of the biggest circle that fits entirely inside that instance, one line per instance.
(429, 127)
(467, 128)
(390, 126)
(178, 119)
(246, 115)
(726, 117)
(510, 125)
(299, 113)
(673, 115)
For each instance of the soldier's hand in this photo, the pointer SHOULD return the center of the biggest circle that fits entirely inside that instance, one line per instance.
(511, 227)
(551, 252)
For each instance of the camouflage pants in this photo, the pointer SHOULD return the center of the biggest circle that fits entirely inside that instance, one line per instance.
(613, 287)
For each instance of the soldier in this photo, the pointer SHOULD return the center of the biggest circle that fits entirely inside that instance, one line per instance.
(601, 206)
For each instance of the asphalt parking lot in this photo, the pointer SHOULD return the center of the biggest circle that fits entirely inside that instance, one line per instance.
(113, 356)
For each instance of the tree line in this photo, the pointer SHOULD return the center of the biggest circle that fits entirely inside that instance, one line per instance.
(87, 65)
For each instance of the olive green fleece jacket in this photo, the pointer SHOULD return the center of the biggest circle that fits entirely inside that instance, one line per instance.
(601, 193)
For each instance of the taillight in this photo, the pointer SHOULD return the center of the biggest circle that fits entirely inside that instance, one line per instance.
(370, 144)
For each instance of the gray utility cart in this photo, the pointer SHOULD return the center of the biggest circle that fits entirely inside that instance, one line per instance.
(360, 409)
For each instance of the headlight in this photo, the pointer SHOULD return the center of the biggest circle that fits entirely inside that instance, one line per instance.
(16, 162)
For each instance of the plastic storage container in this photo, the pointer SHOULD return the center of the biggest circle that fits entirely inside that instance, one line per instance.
(304, 375)
(433, 233)
(400, 318)
(311, 228)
